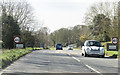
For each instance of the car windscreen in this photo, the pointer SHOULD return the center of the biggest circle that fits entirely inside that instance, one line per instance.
(94, 43)
(59, 45)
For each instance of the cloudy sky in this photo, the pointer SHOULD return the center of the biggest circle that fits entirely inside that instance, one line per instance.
(56, 14)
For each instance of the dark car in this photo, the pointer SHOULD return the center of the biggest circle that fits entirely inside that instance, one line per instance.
(59, 47)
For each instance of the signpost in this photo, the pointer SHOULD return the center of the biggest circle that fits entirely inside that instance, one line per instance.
(19, 45)
(17, 39)
(115, 40)
(41, 45)
(17, 42)
(114, 45)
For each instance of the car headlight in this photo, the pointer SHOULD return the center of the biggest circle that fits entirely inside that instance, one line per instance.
(88, 49)
(102, 50)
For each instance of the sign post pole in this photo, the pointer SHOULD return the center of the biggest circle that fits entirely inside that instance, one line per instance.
(114, 45)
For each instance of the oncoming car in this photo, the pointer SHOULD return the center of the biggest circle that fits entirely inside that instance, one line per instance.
(59, 47)
(92, 47)
(70, 47)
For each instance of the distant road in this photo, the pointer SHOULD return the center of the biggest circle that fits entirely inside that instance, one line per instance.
(62, 61)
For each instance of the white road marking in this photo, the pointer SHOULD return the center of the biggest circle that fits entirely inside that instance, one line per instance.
(92, 68)
(76, 59)
(85, 65)
(68, 54)
(1, 73)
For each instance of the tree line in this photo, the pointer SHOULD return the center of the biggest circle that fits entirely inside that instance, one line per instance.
(101, 23)
(67, 36)
(17, 19)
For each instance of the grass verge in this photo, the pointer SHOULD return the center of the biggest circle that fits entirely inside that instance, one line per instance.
(109, 53)
(77, 48)
(52, 48)
(8, 56)
(37, 48)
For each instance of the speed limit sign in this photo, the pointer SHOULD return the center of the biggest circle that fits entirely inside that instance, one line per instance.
(17, 39)
(115, 40)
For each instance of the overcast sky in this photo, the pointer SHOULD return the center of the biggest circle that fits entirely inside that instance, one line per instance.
(56, 14)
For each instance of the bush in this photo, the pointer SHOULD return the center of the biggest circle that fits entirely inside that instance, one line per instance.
(84, 38)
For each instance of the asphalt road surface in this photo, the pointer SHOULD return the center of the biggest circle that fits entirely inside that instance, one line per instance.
(62, 61)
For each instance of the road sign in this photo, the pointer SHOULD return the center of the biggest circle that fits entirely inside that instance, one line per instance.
(41, 45)
(112, 47)
(19, 45)
(115, 40)
(17, 39)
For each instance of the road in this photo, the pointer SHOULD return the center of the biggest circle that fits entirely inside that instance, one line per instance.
(62, 61)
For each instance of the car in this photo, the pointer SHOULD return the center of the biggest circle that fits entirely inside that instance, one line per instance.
(92, 47)
(70, 47)
(59, 47)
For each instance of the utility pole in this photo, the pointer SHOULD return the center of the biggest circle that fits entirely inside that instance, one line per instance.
(119, 22)
(119, 35)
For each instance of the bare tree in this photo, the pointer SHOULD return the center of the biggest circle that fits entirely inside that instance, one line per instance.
(42, 37)
(20, 11)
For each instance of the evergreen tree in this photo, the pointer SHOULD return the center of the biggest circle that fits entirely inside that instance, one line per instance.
(10, 29)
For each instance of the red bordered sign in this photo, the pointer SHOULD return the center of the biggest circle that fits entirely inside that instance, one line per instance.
(17, 39)
(115, 40)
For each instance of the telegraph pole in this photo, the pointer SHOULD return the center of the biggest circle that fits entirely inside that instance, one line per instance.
(119, 36)
(119, 22)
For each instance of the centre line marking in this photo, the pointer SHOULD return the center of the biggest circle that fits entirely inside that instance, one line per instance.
(1, 73)
(68, 54)
(92, 69)
(86, 65)
(76, 59)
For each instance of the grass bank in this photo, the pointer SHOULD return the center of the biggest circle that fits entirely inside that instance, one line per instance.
(8, 56)
(52, 48)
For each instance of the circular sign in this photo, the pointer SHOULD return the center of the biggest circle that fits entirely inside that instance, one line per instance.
(17, 39)
(115, 40)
